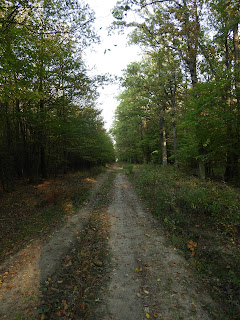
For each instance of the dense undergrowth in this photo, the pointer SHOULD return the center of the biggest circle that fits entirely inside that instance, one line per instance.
(31, 211)
(203, 222)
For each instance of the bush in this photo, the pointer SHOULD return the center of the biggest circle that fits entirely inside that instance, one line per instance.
(170, 193)
(203, 222)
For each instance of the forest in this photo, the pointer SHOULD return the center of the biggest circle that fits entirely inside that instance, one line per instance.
(174, 193)
(180, 104)
(49, 122)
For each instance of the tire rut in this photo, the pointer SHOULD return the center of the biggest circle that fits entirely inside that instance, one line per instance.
(148, 278)
(25, 272)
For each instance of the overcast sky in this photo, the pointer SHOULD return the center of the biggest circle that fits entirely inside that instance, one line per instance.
(106, 61)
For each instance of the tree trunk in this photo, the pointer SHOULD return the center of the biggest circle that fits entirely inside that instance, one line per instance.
(42, 165)
(174, 144)
(163, 140)
(142, 127)
(201, 164)
(192, 33)
(232, 166)
(174, 131)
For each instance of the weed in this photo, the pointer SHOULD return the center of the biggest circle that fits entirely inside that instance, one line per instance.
(128, 168)
(22, 316)
(202, 219)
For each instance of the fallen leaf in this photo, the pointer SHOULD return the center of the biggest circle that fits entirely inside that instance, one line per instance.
(67, 258)
(192, 243)
(64, 303)
(145, 291)
(139, 270)
(59, 313)
(147, 315)
(68, 264)
(98, 263)
(172, 263)
(83, 305)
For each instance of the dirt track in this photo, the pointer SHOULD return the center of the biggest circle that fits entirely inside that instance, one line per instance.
(148, 278)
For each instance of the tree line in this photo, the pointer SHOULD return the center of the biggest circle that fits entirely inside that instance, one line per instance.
(49, 122)
(181, 103)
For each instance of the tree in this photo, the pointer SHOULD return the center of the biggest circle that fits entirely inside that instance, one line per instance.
(208, 57)
(225, 21)
(149, 101)
(168, 24)
(45, 89)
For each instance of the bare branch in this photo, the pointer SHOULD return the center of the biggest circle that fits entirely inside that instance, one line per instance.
(160, 1)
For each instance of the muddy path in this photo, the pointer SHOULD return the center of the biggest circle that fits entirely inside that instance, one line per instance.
(147, 278)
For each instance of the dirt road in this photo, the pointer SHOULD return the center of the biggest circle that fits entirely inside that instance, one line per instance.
(148, 279)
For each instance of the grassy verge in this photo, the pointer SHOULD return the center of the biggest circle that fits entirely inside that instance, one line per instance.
(31, 211)
(203, 222)
(75, 290)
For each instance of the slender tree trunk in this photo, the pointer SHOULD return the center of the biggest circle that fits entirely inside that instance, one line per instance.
(6, 155)
(192, 64)
(19, 151)
(174, 131)
(201, 164)
(42, 167)
(232, 166)
(192, 32)
(142, 127)
(163, 140)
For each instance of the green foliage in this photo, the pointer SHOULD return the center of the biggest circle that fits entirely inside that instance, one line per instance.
(147, 108)
(171, 193)
(192, 75)
(203, 222)
(48, 119)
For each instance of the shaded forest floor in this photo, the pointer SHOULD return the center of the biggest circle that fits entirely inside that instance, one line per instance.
(32, 211)
(48, 272)
(108, 258)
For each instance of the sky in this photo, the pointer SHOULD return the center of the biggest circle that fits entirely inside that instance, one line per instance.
(105, 61)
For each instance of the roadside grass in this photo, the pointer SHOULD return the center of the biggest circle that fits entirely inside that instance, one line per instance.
(203, 222)
(74, 292)
(31, 211)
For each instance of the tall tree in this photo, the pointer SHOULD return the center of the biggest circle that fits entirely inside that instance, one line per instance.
(168, 24)
(45, 88)
(150, 100)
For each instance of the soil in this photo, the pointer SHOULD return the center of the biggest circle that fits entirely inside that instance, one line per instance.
(147, 277)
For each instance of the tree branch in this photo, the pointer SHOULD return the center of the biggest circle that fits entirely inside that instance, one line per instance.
(160, 1)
